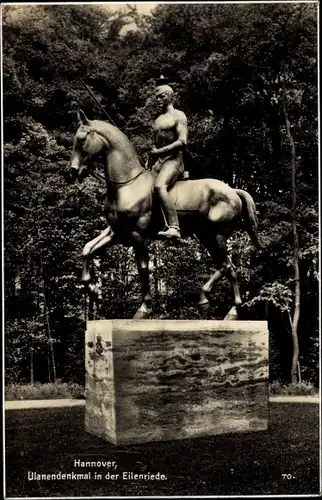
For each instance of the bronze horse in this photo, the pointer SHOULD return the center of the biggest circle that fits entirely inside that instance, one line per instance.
(208, 209)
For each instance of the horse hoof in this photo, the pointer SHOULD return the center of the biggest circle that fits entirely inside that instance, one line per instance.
(232, 314)
(204, 306)
(142, 314)
(231, 317)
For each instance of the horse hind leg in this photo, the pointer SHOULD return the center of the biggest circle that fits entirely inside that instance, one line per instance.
(218, 251)
(232, 276)
(142, 260)
(207, 287)
(216, 254)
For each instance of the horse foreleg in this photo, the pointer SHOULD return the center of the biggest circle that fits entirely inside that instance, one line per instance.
(142, 260)
(106, 237)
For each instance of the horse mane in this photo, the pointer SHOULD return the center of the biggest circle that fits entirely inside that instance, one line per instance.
(117, 140)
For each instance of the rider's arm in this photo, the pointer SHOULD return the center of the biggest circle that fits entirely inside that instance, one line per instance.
(152, 156)
(181, 142)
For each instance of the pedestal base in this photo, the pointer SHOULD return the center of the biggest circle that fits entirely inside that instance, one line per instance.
(155, 380)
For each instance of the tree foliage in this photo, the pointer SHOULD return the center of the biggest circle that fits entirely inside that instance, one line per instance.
(231, 66)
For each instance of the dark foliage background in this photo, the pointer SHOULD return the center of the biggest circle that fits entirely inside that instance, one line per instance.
(232, 66)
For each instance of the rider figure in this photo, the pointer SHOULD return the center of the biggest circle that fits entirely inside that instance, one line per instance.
(170, 139)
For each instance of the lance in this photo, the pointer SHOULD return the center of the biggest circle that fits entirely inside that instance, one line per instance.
(96, 100)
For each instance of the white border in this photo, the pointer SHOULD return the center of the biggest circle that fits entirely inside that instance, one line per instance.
(184, 496)
(319, 204)
(2, 264)
(170, 3)
(320, 235)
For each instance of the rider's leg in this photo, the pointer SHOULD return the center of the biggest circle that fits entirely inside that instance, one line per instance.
(167, 177)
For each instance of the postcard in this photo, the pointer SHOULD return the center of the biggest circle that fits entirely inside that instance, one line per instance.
(161, 249)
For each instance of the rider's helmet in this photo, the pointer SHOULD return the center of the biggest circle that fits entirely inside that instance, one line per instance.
(162, 86)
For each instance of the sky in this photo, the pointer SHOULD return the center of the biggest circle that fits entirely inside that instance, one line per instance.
(143, 8)
(18, 9)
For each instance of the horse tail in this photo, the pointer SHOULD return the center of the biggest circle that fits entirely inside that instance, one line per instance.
(250, 217)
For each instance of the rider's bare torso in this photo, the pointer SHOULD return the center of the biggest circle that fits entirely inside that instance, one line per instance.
(165, 127)
(165, 133)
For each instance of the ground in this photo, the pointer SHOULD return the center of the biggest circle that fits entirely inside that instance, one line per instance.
(49, 440)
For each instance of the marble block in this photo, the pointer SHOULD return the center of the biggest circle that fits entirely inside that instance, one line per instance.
(158, 380)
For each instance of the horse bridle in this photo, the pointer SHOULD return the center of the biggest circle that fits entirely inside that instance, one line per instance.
(100, 177)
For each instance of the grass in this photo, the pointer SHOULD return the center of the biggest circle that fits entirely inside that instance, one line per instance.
(37, 390)
(60, 390)
(294, 389)
(48, 441)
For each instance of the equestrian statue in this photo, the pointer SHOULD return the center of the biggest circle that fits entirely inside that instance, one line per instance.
(152, 203)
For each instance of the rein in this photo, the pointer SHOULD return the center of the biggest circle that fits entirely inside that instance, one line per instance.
(97, 176)
(125, 182)
(100, 177)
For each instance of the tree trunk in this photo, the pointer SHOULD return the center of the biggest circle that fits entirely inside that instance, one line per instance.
(85, 307)
(90, 310)
(17, 286)
(156, 271)
(299, 372)
(296, 315)
(49, 372)
(50, 339)
(31, 365)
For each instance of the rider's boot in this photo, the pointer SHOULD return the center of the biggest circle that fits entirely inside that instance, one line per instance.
(170, 214)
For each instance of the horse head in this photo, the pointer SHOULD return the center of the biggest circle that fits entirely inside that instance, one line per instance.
(88, 143)
(94, 137)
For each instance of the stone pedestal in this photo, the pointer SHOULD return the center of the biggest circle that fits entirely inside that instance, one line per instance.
(155, 380)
